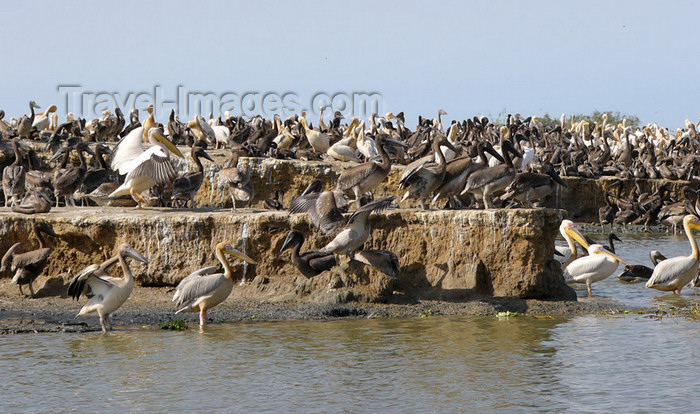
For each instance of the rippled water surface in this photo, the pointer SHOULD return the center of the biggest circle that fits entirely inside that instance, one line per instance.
(437, 364)
(630, 363)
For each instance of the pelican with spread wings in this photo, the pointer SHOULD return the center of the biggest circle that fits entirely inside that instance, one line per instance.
(144, 167)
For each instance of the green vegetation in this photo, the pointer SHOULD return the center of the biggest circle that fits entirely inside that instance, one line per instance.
(171, 325)
(507, 314)
(427, 313)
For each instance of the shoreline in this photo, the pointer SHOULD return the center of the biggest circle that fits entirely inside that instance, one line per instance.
(149, 307)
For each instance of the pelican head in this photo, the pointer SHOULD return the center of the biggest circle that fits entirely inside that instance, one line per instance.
(149, 109)
(600, 249)
(568, 229)
(33, 104)
(691, 222)
(442, 112)
(129, 251)
(292, 238)
(155, 136)
(228, 249)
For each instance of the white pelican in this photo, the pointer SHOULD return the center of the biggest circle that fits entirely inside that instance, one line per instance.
(149, 122)
(204, 289)
(568, 230)
(318, 140)
(366, 145)
(42, 120)
(202, 130)
(674, 273)
(109, 293)
(144, 167)
(598, 265)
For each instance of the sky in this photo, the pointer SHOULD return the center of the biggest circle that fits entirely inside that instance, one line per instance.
(468, 57)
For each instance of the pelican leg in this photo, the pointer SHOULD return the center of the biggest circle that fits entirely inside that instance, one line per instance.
(588, 285)
(202, 317)
(233, 201)
(486, 197)
(20, 290)
(358, 196)
(31, 289)
(108, 322)
(102, 321)
(137, 197)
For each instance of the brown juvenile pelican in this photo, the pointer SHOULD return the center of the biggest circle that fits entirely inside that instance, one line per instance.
(95, 176)
(204, 289)
(640, 273)
(421, 182)
(37, 200)
(529, 187)
(144, 167)
(275, 203)
(13, 177)
(458, 169)
(109, 293)
(25, 124)
(366, 176)
(674, 273)
(237, 180)
(492, 179)
(185, 187)
(310, 263)
(383, 260)
(357, 230)
(325, 209)
(28, 266)
(67, 181)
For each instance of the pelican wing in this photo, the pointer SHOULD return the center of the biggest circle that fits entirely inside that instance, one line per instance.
(87, 278)
(197, 289)
(671, 269)
(7, 258)
(155, 164)
(375, 206)
(582, 266)
(355, 175)
(480, 178)
(384, 260)
(30, 258)
(127, 151)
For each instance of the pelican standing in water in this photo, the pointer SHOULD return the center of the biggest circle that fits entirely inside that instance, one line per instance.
(568, 253)
(109, 293)
(204, 289)
(144, 167)
(674, 273)
(598, 265)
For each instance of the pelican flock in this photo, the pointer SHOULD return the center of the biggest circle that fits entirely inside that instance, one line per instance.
(475, 163)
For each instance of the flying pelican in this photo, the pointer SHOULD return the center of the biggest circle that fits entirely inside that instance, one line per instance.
(204, 289)
(598, 265)
(674, 273)
(109, 293)
(310, 263)
(144, 167)
(28, 265)
(324, 209)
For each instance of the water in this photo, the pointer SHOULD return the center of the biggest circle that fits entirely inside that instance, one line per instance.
(593, 363)
(436, 364)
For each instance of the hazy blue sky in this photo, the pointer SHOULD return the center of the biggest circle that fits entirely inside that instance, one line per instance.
(468, 57)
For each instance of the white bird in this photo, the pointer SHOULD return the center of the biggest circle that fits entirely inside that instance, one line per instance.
(42, 120)
(221, 134)
(144, 167)
(674, 273)
(568, 230)
(204, 289)
(598, 265)
(109, 293)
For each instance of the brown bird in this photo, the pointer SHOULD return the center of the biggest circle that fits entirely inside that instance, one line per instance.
(237, 180)
(28, 266)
